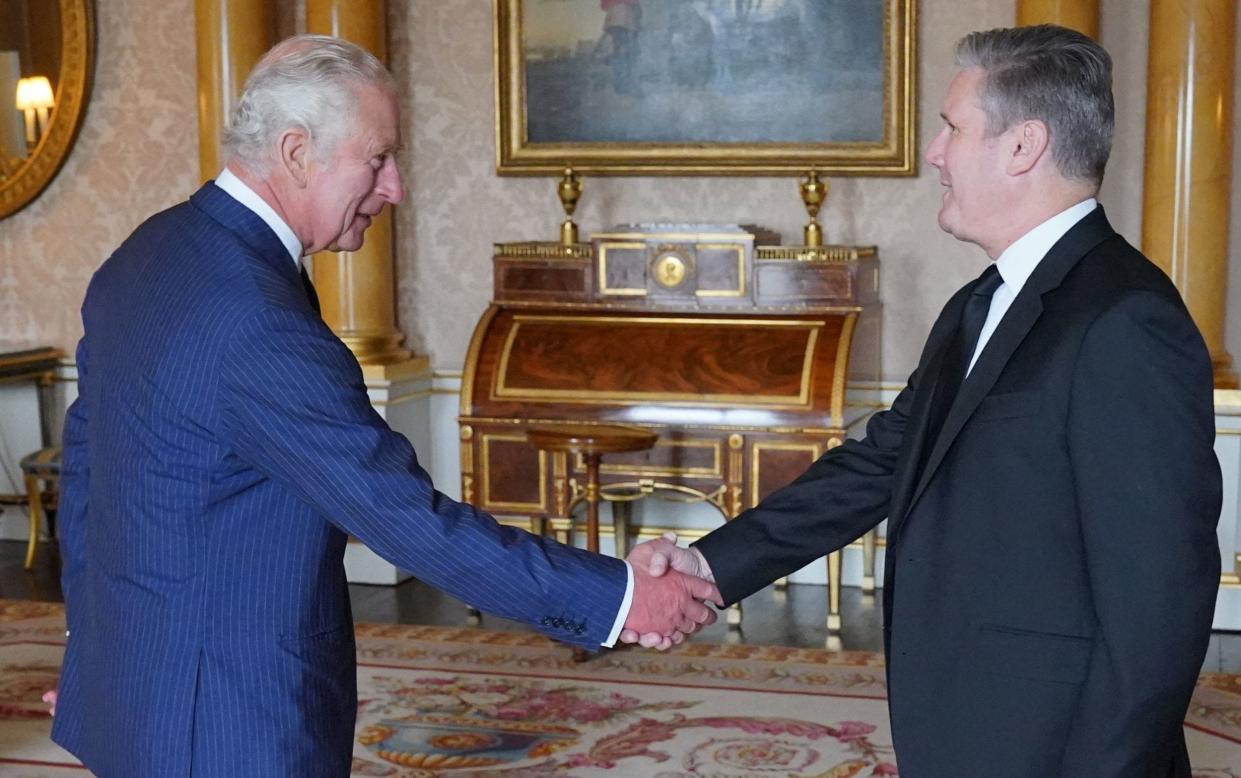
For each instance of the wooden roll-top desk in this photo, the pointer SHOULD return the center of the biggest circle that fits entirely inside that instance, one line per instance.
(737, 353)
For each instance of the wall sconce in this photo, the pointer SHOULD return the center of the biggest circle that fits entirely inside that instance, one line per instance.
(34, 98)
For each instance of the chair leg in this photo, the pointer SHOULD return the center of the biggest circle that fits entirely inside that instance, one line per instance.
(35, 496)
(868, 561)
(833, 592)
(622, 514)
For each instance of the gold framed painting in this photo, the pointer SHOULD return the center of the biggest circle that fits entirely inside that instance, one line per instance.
(718, 87)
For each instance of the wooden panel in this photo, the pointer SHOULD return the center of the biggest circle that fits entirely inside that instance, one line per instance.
(622, 269)
(721, 270)
(693, 458)
(514, 473)
(706, 361)
(775, 465)
(789, 281)
(527, 280)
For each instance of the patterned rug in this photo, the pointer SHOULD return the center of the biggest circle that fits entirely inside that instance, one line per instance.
(471, 702)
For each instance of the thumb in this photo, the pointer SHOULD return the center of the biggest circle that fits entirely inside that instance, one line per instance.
(658, 564)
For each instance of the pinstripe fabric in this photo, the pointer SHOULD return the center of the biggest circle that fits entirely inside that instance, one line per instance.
(221, 447)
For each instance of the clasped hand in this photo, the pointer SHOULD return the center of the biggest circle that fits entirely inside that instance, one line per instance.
(670, 588)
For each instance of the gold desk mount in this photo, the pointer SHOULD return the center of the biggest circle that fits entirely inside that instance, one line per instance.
(569, 190)
(813, 193)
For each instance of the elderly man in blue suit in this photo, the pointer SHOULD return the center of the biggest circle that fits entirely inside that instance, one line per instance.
(222, 447)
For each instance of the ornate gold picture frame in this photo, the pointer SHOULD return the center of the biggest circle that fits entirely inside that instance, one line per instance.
(716, 87)
(29, 176)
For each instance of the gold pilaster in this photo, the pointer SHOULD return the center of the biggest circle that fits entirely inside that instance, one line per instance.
(231, 36)
(1080, 15)
(1185, 208)
(356, 289)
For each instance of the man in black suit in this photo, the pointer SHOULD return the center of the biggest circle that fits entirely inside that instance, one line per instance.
(1047, 473)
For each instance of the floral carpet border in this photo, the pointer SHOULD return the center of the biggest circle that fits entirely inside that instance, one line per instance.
(1215, 709)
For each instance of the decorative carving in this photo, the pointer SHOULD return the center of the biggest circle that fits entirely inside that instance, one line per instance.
(813, 193)
(569, 190)
(669, 269)
(560, 486)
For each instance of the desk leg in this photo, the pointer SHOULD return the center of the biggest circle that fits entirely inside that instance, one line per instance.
(592, 524)
(592, 502)
(562, 495)
(868, 561)
(833, 591)
(622, 514)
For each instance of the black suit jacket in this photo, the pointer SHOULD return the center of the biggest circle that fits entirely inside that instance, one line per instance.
(1052, 570)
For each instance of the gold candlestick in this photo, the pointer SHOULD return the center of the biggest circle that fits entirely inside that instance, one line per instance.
(569, 190)
(813, 193)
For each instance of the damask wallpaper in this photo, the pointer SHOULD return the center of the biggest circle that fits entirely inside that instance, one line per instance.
(137, 154)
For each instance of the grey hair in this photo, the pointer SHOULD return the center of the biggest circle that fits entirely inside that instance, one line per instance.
(1052, 74)
(307, 82)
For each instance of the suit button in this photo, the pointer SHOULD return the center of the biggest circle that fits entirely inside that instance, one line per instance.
(545, 621)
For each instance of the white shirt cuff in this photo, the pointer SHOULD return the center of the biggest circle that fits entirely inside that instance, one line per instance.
(623, 613)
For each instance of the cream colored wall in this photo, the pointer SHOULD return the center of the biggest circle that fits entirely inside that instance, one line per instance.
(137, 154)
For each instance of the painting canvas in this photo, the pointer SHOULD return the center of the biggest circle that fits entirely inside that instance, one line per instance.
(633, 86)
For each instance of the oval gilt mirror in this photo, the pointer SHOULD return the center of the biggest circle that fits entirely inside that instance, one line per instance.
(46, 62)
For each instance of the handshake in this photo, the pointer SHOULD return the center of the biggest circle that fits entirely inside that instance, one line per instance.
(670, 588)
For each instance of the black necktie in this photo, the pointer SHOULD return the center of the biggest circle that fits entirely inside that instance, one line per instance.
(960, 351)
(310, 291)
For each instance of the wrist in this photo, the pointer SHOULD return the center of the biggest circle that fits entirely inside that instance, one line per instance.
(704, 569)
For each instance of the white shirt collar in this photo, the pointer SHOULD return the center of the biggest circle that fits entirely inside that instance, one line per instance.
(243, 194)
(1019, 260)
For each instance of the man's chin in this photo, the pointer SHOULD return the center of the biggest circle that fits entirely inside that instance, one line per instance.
(945, 224)
(347, 243)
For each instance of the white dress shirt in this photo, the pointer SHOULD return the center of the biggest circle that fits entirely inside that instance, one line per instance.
(1019, 260)
(250, 199)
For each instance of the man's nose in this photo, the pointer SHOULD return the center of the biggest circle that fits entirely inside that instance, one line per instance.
(389, 183)
(935, 151)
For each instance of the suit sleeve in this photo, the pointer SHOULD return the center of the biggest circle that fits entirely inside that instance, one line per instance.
(71, 512)
(1141, 429)
(294, 406)
(843, 494)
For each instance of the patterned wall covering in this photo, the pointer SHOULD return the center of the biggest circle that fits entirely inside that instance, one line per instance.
(137, 153)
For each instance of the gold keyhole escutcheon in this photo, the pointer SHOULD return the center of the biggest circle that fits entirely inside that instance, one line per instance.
(669, 270)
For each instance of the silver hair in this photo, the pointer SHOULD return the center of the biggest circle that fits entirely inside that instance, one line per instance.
(1056, 75)
(307, 82)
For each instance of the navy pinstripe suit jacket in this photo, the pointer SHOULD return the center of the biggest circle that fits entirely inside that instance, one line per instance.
(221, 447)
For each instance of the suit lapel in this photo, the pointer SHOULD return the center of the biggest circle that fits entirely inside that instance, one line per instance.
(919, 416)
(1020, 318)
(246, 225)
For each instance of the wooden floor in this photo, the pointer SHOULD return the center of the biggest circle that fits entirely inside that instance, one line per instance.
(794, 616)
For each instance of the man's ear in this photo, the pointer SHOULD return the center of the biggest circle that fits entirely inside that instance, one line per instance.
(293, 148)
(1030, 140)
